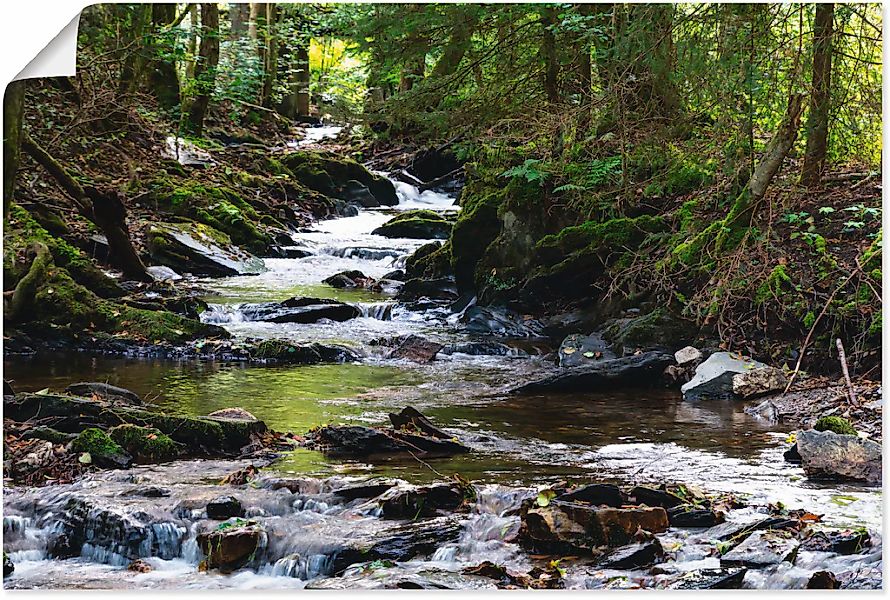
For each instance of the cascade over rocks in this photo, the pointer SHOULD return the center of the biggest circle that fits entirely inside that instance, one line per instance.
(334, 176)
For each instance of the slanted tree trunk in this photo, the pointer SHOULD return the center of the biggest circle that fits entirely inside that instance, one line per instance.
(820, 103)
(193, 42)
(462, 29)
(26, 289)
(205, 69)
(13, 108)
(105, 209)
(777, 148)
(548, 54)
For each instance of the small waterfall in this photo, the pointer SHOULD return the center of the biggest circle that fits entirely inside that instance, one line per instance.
(305, 568)
(222, 313)
(382, 311)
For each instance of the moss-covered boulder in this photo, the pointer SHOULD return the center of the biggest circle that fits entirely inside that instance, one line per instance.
(476, 228)
(430, 261)
(416, 224)
(657, 329)
(22, 231)
(336, 176)
(199, 249)
(216, 206)
(145, 444)
(102, 450)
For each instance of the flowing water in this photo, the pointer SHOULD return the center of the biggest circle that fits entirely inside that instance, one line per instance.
(519, 442)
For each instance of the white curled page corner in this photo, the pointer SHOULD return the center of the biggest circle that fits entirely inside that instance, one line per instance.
(56, 58)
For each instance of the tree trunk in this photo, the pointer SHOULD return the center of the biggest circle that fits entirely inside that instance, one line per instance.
(26, 289)
(548, 54)
(270, 55)
(163, 78)
(777, 148)
(302, 77)
(193, 42)
(205, 69)
(239, 15)
(461, 31)
(13, 107)
(585, 72)
(105, 209)
(134, 63)
(820, 103)
(257, 17)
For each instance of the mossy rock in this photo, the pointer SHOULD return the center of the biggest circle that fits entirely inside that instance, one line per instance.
(838, 425)
(430, 261)
(145, 444)
(329, 174)
(657, 329)
(199, 249)
(476, 228)
(416, 224)
(103, 451)
(20, 233)
(615, 234)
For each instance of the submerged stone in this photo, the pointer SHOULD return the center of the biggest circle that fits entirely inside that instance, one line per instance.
(633, 556)
(640, 370)
(762, 549)
(224, 507)
(712, 579)
(416, 349)
(367, 442)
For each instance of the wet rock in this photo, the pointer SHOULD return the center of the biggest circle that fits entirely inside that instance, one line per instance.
(370, 489)
(7, 389)
(483, 349)
(758, 382)
(420, 538)
(840, 542)
(289, 252)
(152, 491)
(410, 419)
(224, 507)
(688, 356)
(713, 378)
(762, 549)
(286, 352)
(416, 349)
(640, 370)
(236, 413)
(103, 451)
(655, 497)
(827, 455)
(766, 411)
(241, 476)
(417, 224)
(8, 566)
(348, 280)
(355, 192)
(577, 350)
(162, 273)
(200, 250)
(300, 310)
(737, 531)
(562, 526)
(823, 580)
(713, 579)
(655, 330)
(597, 494)
(139, 566)
(500, 322)
(366, 442)
(231, 548)
(331, 175)
(442, 288)
(427, 501)
(792, 455)
(104, 391)
(633, 556)
(688, 516)
(397, 275)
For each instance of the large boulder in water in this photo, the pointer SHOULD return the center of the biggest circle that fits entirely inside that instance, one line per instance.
(500, 322)
(713, 378)
(416, 349)
(367, 442)
(336, 176)
(561, 526)
(577, 350)
(828, 455)
(758, 382)
(631, 371)
(231, 548)
(200, 250)
(416, 224)
(300, 310)
(762, 549)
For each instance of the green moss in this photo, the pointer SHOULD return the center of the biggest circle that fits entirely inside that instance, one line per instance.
(144, 443)
(430, 261)
(773, 286)
(96, 442)
(838, 425)
(20, 233)
(592, 236)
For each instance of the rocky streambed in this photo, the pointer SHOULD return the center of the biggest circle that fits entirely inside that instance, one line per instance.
(581, 464)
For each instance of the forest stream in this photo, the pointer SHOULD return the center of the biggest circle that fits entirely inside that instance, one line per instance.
(518, 444)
